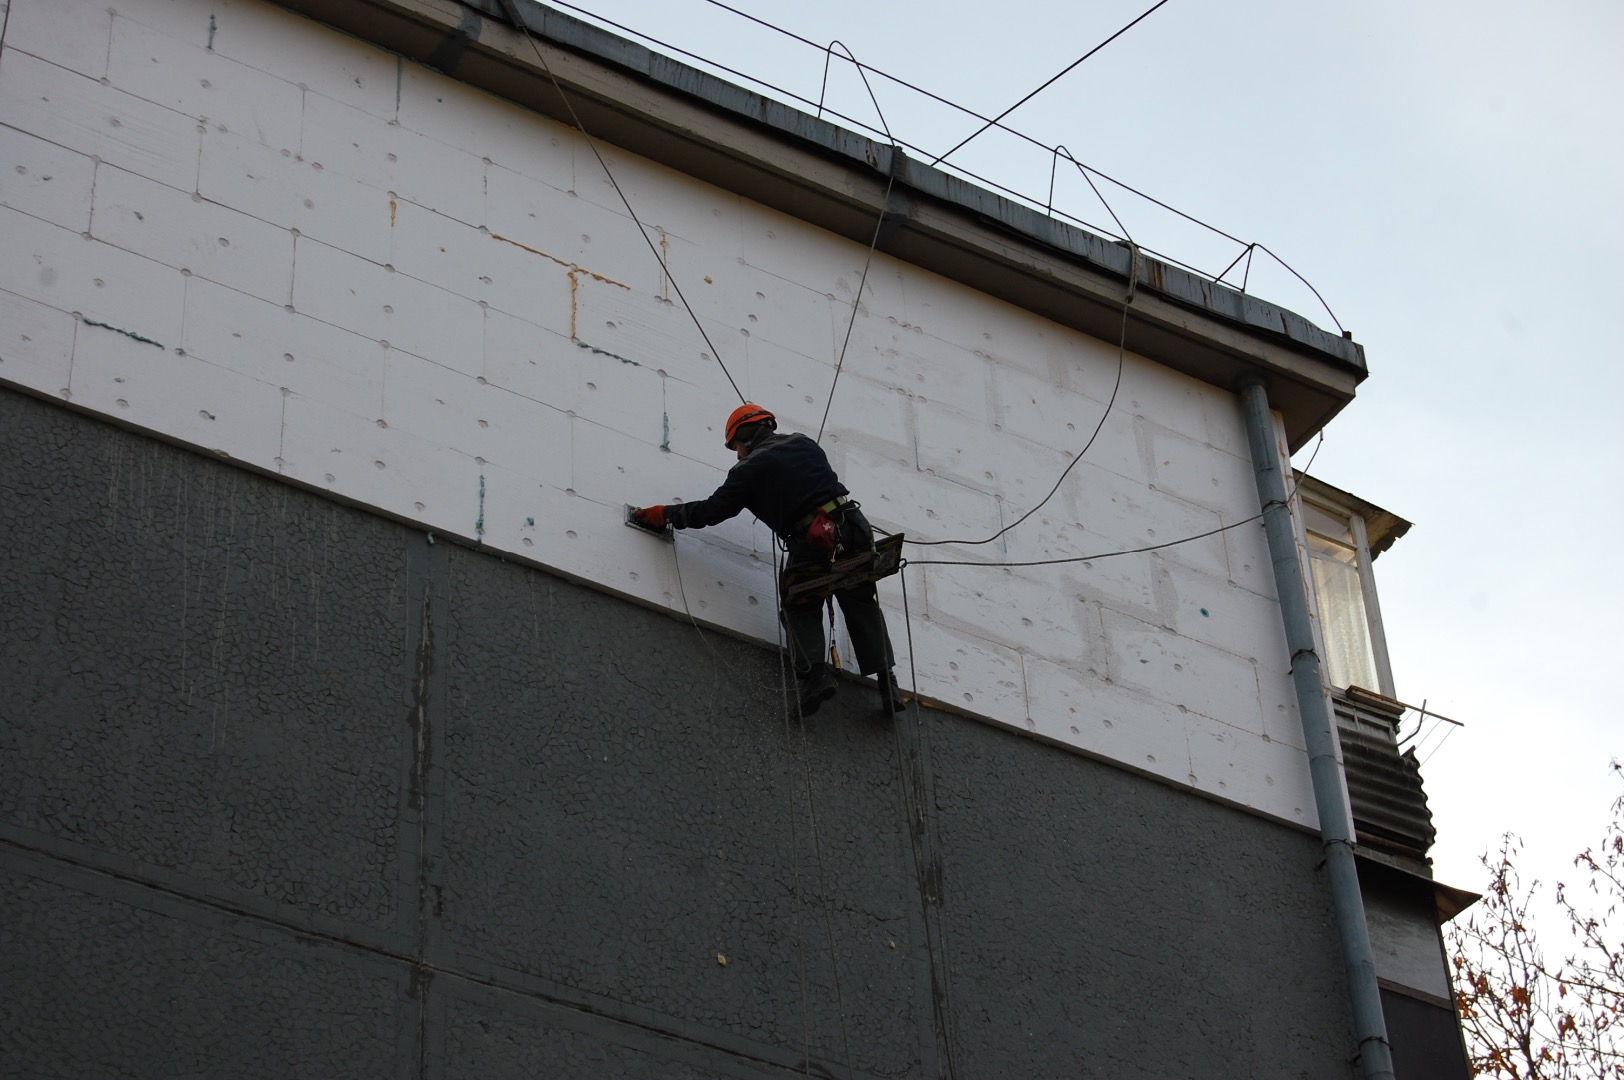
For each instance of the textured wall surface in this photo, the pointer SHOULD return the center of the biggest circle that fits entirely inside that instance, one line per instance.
(236, 228)
(287, 790)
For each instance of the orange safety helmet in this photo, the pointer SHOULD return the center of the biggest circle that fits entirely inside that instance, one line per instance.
(746, 414)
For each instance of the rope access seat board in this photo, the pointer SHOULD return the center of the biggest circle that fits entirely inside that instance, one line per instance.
(820, 582)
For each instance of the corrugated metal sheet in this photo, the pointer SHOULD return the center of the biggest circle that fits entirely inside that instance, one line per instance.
(1384, 785)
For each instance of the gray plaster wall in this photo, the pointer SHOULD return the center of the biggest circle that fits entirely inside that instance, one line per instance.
(288, 790)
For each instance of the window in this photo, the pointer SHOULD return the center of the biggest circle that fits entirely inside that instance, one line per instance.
(1340, 532)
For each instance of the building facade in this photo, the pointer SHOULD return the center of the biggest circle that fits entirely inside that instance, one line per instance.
(350, 731)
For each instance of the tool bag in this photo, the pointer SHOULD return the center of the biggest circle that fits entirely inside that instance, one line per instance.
(823, 534)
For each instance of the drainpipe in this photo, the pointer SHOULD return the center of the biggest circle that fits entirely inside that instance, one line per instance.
(1314, 706)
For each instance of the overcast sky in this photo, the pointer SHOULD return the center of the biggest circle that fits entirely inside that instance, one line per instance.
(1447, 176)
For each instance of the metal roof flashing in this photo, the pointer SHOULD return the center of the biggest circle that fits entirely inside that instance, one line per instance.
(835, 178)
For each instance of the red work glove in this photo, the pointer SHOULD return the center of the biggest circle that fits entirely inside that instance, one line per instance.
(651, 517)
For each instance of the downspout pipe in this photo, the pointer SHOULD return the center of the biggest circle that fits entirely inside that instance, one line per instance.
(1319, 733)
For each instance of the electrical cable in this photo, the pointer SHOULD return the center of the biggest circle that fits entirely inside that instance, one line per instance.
(1056, 78)
(1122, 343)
(1130, 551)
(519, 23)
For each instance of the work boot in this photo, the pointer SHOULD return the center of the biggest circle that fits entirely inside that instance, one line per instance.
(890, 693)
(817, 686)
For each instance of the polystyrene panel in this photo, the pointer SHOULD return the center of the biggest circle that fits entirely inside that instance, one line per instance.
(1113, 721)
(795, 386)
(388, 468)
(85, 115)
(523, 207)
(1001, 332)
(46, 180)
(181, 231)
(526, 359)
(870, 414)
(969, 672)
(1171, 400)
(561, 226)
(933, 374)
(72, 33)
(929, 508)
(368, 148)
(1270, 776)
(1044, 409)
(1196, 473)
(233, 330)
(36, 344)
(695, 420)
(795, 318)
(515, 139)
(1019, 471)
(794, 251)
(202, 83)
(1246, 549)
(1226, 422)
(1025, 609)
(614, 468)
(131, 295)
(637, 328)
(1212, 610)
(1184, 673)
(184, 397)
(666, 201)
(281, 43)
(487, 422)
(338, 288)
(274, 186)
(1278, 711)
(609, 390)
(471, 263)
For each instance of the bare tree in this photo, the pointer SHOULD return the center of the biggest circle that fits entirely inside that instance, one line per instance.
(1527, 1017)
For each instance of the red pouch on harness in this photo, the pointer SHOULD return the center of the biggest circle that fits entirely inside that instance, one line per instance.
(822, 534)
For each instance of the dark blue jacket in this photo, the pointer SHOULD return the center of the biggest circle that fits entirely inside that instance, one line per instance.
(781, 480)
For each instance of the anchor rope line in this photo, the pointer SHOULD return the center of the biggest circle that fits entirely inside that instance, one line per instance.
(914, 809)
(794, 845)
(514, 16)
(874, 242)
(790, 726)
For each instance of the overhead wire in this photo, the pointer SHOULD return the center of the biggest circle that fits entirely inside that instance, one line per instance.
(1053, 80)
(790, 95)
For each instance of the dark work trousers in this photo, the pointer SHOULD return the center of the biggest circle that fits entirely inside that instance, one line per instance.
(860, 604)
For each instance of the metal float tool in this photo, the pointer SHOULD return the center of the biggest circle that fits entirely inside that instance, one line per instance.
(668, 534)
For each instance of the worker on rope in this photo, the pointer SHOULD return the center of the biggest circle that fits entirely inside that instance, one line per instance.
(787, 482)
